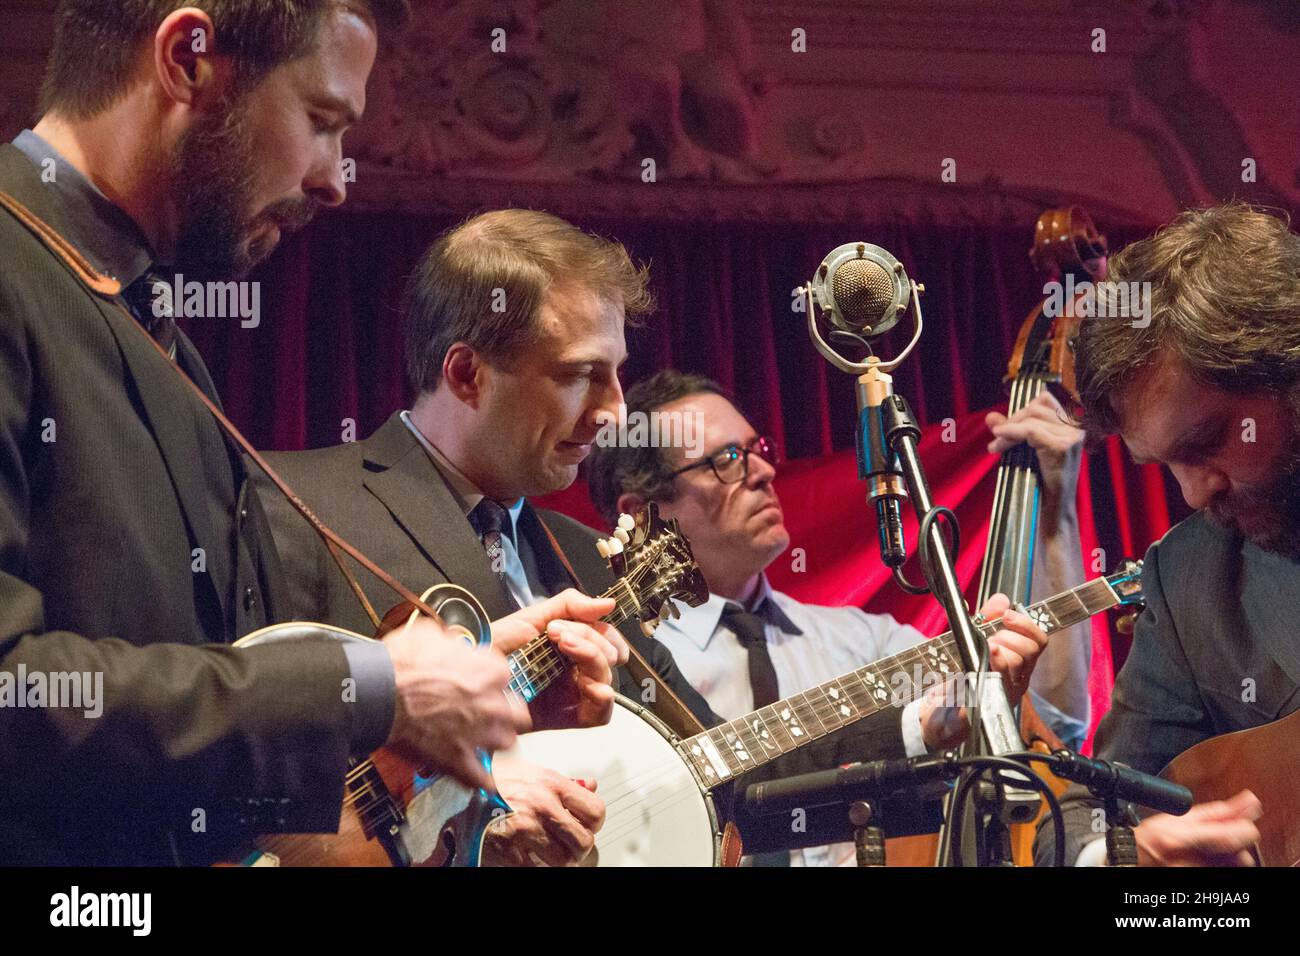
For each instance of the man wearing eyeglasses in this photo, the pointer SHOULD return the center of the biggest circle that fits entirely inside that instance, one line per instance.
(751, 645)
(514, 339)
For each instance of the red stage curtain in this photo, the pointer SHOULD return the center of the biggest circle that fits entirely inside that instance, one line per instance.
(324, 365)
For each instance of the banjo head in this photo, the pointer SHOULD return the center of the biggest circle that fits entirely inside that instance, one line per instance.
(656, 812)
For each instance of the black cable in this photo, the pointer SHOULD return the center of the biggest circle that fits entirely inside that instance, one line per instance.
(954, 533)
(907, 585)
(1008, 762)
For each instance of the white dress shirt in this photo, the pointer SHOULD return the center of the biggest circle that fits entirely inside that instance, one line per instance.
(809, 644)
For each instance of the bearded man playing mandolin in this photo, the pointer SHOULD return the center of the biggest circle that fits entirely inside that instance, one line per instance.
(1208, 382)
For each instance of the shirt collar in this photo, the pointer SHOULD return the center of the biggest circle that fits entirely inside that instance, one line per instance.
(463, 490)
(699, 624)
(98, 228)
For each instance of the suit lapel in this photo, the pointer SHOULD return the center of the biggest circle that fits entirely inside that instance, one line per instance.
(162, 395)
(408, 484)
(160, 392)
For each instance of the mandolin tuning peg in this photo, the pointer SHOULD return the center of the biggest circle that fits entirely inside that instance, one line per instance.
(614, 545)
(648, 628)
(603, 547)
(626, 522)
(672, 610)
(622, 535)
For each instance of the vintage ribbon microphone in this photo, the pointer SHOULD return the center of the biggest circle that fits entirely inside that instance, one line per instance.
(863, 291)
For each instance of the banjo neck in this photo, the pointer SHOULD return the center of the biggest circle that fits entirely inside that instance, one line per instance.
(724, 752)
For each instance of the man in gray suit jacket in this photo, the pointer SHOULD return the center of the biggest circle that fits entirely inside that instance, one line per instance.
(1207, 381)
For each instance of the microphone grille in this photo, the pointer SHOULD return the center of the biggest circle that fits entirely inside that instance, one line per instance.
(863, 292)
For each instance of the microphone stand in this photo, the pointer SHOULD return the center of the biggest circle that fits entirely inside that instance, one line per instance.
(1121, 842)
(884, 415)
(997, 731)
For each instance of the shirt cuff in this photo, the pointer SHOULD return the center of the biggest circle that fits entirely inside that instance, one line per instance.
(1094, 854)
(913, 737)
(374, 699)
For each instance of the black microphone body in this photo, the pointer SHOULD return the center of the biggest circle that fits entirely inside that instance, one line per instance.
(889, 518)
(1106, 779)
(873, 778)
(878, 467)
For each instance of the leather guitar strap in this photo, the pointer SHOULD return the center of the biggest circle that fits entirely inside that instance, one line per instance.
(672, 710)
(106, 287)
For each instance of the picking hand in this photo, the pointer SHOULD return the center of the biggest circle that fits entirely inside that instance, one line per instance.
(1043, 425)
(1219, 833)
(451, 699)
(554, 820)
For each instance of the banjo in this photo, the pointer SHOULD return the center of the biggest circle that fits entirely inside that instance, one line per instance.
(658, 788)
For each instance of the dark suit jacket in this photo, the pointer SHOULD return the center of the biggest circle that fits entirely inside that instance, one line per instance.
(1215, 651)
(111, 474)
(385, 495)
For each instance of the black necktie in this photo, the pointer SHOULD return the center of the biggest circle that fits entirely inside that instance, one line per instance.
(153, 308)
(491, 521)
(752, 634)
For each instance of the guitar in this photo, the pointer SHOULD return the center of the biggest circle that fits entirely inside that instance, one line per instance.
(1262, 759)
(658, 788)
(394, 816)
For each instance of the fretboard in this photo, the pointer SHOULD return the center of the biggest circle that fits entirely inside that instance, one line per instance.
(741, 745)
(539, 662)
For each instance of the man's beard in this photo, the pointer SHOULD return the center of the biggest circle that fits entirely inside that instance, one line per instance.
(1268, 515)
(211, 174)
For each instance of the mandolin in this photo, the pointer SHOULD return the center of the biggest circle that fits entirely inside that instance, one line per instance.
(393, 815)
